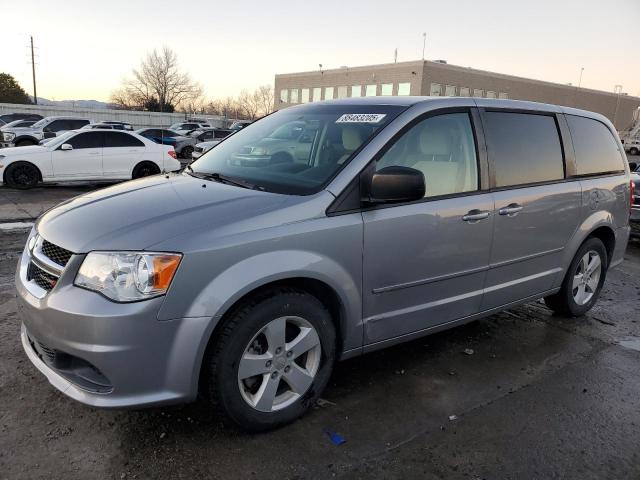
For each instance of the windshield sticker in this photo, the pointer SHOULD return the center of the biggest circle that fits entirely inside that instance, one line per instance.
(361, 118)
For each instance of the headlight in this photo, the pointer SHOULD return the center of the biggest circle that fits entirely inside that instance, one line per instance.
(128, 276)
(8, 136)
(259, 151)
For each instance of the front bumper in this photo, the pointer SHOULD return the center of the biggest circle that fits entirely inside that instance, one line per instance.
(107, 354)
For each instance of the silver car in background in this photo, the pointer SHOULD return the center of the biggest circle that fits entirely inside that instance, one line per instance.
(246, 276)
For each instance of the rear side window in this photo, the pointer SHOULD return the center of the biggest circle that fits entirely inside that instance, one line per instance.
(86, 140)
(525, 148)
(595, 146)
(117, 139)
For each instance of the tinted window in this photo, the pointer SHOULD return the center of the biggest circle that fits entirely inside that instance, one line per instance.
(221, 133)
(443, 149)
(86, 140)
(525, 148)
(166, 133)
(74, 124)
(117, 139)
(57, 125)
(595, 146)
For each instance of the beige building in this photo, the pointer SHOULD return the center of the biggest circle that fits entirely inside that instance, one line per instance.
(440, 79)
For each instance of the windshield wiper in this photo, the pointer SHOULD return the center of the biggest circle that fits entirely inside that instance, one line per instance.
(219, 177)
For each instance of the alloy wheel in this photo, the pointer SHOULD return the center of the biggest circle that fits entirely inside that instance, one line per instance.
(279, 364)
(586, 277)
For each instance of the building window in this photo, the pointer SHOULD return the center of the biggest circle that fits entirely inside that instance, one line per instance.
(284, 95)
(404, 89)
(478, 92)
(294, 95)
(386, 89)
(436, 90)
(328, 93)
(371, 90)
(305, 95)
(503, 95)
(356, 90)
(450, 91)
(491, 94)
(317, 94)
(342, 92)
(465, 92)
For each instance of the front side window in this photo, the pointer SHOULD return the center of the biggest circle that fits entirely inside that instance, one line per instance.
(436, 90)
(596, 148)
(57, 126)
(443, 149)
(371, 90)
(87, 140)
(296, 151)
(356, 91)
(386, 89)
(525, 148)
(404, 89)
(317, 94)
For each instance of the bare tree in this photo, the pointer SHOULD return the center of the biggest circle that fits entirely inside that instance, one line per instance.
(158, 82)
(265, 99)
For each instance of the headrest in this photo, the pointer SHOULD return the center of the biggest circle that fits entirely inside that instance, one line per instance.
(351, 138)
(434, 141)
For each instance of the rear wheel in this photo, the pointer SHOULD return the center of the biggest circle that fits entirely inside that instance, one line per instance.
(583, 282)
(272, 360)
(145, 169)
(21, 175)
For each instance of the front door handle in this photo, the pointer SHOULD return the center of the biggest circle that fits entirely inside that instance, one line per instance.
(476, 215)
(511, 209)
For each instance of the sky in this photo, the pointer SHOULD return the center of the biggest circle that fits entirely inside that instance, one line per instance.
(85, 48)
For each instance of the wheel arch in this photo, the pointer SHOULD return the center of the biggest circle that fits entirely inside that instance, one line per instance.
(145, 161)
(25, 137)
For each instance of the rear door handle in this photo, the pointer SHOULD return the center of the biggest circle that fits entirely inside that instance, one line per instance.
(511, 209)
(476, 215)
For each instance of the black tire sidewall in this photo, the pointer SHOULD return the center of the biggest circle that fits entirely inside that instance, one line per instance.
(140, 166)
(567, 291)
(10, 172)
(226, 382)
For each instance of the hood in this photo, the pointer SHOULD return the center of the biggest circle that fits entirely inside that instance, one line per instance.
(138, 214)
(11, 151)
(20, 130)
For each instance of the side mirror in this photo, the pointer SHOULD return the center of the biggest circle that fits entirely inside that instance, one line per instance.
(397, 184)
(66, 146)
(633, 166)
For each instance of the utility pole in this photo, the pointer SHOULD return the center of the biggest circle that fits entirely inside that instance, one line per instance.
(424, 43)
(580, 81)
(33, 71)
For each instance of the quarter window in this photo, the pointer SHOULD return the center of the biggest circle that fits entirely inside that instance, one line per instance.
(356, 90)
(404, 89)
(443, 149)
(371, 90)
(525, 148)
(436, 90)
(386, 89)
(596, 148)
(87, 140)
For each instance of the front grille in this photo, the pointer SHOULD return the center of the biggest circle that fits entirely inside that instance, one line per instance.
(44, 280)
(55, 253)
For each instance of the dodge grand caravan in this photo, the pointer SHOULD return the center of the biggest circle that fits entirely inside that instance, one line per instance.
(246, 281)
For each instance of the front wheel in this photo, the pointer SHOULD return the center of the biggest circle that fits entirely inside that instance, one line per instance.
(272, 360)
(583, 282)
(21, 175)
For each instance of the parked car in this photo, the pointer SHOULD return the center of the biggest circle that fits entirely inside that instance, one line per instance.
(12, 117)
(633, 147)
(18, 124)
(202, 148)
(119, 125)
(182, 144)
(199, 136)
(48, 127)
(186, 127)
(239, 125)
(252, 279)
(86, 155)
(634, 219)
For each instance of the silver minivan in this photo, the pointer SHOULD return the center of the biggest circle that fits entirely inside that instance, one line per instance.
(247, 276)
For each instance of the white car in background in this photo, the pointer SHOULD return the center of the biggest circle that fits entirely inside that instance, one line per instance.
(82, 155)
(203, 147)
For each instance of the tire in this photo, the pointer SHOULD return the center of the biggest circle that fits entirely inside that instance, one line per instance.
(22, 175)
(634, 151)
(25, 143)
(572, 301)
(244, 398)
(281, 157)
(145, 169)
(186, 152)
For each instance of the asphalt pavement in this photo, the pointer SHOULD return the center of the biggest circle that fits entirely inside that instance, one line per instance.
(521, 394)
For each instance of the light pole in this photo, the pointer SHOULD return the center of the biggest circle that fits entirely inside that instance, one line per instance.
(424, 43)
(580, 80)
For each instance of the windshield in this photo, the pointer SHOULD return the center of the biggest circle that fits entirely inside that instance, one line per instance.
(40, 123)
(296, 150)
(60, 139)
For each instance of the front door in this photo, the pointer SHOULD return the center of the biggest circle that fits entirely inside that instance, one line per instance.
(425, 263)
(536, 211)
(84, 160)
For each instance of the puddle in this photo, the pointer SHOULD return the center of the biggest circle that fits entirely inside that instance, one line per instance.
(632, 343)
